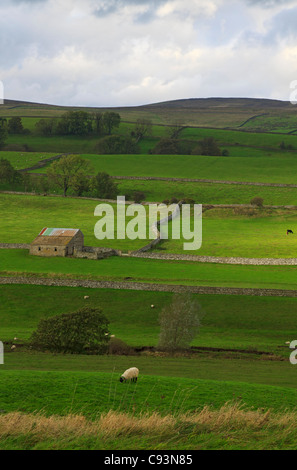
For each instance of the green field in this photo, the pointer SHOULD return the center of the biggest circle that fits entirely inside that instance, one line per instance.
(63, 392)
(239, 143)
(189, 273)
(229, 322)
(207, 193)
(259, 233)
(20, 160)
(253, 233)
(246, 169)
(54, 212)
(88, 385)
(225, 137)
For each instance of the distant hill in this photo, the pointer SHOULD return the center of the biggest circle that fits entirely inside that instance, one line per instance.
(198, 112)
(199, 103)
(203, 103)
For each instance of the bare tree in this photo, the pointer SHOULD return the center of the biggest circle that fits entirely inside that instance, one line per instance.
(143, 127)
(179, 323)
(175, 128)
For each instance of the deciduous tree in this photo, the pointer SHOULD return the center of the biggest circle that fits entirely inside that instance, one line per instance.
(179, 323)
(64, 172)
(85, 330)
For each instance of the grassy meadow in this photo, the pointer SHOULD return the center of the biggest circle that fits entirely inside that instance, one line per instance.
(228, 321)
(245, 169)
(251, 233)
(208, 193)
(187, 273)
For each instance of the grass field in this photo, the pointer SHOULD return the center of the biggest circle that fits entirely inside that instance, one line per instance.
(270, 123)
(208, 193)
(259, 233)
(90, 393)
(239, 143)
(246, 169)
(229, 428)
(253, 233)
(229, 322)
(19, 262)
(53, 212)
(20, 160)
(60, 385)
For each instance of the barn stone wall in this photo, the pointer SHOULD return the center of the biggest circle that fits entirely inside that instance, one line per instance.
(49, 251)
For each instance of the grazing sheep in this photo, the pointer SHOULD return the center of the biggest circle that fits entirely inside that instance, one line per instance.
(13, 347)
(130, 374)
(152, 306)
(86, 297)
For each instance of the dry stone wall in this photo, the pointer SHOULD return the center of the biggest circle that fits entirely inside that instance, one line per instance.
(138, 286)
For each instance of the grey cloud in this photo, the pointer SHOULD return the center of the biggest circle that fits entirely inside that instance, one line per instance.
(26, 1)
(107, 7)
(270, 3)
(283, 25)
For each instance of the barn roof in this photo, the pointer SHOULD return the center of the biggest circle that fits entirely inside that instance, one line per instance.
(51, 241)
(55, 236)
(58, 232)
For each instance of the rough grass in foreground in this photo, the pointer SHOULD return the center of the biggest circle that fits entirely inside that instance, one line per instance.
(230, 427)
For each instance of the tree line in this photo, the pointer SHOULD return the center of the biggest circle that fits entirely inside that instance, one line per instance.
(103, 124)
(79, 123)
(71, 173)
(86, 331)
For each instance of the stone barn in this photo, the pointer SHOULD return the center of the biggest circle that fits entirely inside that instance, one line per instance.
(57, 242)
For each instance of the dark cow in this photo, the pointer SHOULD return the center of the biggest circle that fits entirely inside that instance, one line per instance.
(289, 231)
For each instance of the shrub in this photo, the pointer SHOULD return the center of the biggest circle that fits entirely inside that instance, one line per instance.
(207, 146)
(8, 174)
(166, 147)
(173, 200)
(138, 197)
(83, 331)
(188, 200)
(103, 186)
(244, 211)
(118, 347)
(116, 145)
(257, 201)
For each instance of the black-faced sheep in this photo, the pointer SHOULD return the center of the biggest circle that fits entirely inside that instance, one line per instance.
(130, 374)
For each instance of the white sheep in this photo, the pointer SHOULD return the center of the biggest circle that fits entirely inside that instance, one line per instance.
(86, 297)
(130, 374)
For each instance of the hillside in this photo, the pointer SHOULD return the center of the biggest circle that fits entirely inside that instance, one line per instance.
(204, 112)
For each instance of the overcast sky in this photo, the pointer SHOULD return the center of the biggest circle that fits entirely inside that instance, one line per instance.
(131, 52)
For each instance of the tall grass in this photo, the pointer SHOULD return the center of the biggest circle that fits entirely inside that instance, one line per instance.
(231, 426)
